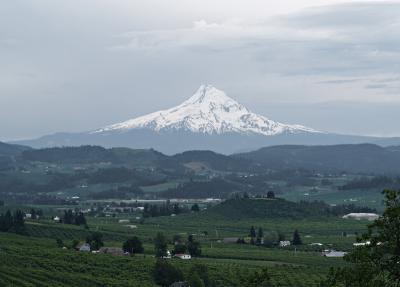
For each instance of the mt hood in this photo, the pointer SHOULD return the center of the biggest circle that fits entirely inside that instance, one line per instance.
(209, 111)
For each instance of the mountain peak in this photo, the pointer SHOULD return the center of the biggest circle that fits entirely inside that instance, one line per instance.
(208, 93)
(208, 98)
(208, 111)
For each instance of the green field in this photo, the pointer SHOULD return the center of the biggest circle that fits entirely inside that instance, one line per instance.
(35, 260)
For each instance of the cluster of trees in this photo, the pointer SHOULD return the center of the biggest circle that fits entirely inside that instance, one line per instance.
(36, 213)
(256, 237)
(133, 245)
(95, 240)
(375, 264)
(270, 238)
(165, 274)
(154, 210)
(191, 246)
(12, 222)
(160, 245)
(16, 189)
(73, 217)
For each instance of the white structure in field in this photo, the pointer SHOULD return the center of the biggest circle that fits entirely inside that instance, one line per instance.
(84, 247)
(183, 256)
(361, 216)
(168, 255)
(123, 221)
(333, 253)
(284, 243)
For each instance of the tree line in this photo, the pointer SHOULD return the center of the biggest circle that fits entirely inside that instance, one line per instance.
(12, 222)
(155, 210)
(73, 217)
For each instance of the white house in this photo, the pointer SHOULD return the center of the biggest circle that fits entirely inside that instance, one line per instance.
(333, 253)
(168, 255)
(85, 247)
(123, 221)
(56, 219)
(183, 256)
(315, 244)
(131, 226)
(284, 243)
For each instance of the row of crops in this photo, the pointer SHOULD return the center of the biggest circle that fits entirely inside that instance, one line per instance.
(29, 261)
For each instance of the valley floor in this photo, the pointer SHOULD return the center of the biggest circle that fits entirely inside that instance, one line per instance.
(36, 260)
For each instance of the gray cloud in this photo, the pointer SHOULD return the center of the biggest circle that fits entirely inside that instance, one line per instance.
(71, 66)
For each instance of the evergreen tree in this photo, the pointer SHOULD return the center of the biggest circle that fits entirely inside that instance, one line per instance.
(195, 208)
(253, 232)
(80, 219)
(270, 194)
(18, 221)
(296, 238)
(176, 209)
(160, 245)
(7, 221)
(68, 217)
(193, 247)
(260, 235)
(33, 213)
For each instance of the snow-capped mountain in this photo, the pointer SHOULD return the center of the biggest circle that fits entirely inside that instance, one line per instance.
(209, 111)
(209, 120)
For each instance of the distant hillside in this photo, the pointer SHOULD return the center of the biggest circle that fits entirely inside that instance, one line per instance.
(137, 157)
(213, 160)
(357, 158)
(11, 149)
(353, 158)
(95, 154)
(8, 152)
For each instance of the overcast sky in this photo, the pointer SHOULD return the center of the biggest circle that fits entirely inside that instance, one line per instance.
(76, 65)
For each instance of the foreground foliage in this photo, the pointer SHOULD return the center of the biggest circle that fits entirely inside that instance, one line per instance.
(378, 262)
